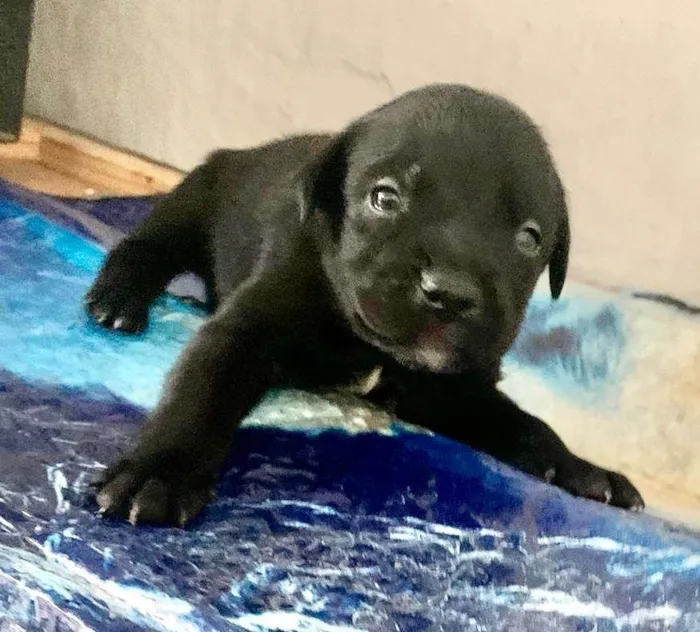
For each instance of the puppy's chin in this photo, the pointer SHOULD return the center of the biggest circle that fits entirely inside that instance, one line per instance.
(432, 353)
(436, 360)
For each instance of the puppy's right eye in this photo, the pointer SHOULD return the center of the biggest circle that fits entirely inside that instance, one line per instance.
(385, 200)
(529, 238)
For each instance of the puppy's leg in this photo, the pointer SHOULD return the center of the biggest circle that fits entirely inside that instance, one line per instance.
(488, 421)
(170, 241)
(228, 366)
(169, 474)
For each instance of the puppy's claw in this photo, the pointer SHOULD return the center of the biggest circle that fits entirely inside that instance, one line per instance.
(191, 504)
(134, 515)
(104, 500)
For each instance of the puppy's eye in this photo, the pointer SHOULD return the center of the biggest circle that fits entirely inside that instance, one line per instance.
(385, 199)
(528, 239)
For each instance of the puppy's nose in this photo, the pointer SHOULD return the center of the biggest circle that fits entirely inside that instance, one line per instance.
(451, 293)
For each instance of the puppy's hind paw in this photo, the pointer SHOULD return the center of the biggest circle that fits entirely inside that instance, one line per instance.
(581, 478)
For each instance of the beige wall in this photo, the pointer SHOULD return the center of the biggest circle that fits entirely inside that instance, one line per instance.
(614, 83)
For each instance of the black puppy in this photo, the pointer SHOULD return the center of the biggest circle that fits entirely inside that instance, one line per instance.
(404, 249)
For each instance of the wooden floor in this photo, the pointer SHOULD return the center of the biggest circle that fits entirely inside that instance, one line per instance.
(38, 177)
(53, 160)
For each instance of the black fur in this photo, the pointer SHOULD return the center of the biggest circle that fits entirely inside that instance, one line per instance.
(410, 241)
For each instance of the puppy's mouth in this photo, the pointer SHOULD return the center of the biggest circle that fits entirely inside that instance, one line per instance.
(427, 347)
(369, 325)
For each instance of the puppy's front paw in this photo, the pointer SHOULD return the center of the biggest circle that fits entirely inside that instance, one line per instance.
(156, 490)
(583, 479)
(114, 306)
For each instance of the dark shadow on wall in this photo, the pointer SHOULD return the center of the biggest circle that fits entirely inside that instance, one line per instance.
(15, 30)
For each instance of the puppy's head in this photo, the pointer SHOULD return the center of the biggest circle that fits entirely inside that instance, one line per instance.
(436, 214)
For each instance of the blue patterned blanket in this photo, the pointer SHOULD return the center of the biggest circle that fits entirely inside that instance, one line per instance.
(330, 517)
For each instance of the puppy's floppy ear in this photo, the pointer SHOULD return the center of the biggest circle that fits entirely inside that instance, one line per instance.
(322, 181)
(559, 262)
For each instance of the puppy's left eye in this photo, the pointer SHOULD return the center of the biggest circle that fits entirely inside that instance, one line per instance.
(528, 239)
(385, 199)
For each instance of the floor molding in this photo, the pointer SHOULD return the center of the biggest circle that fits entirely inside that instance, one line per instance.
(44, 149)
